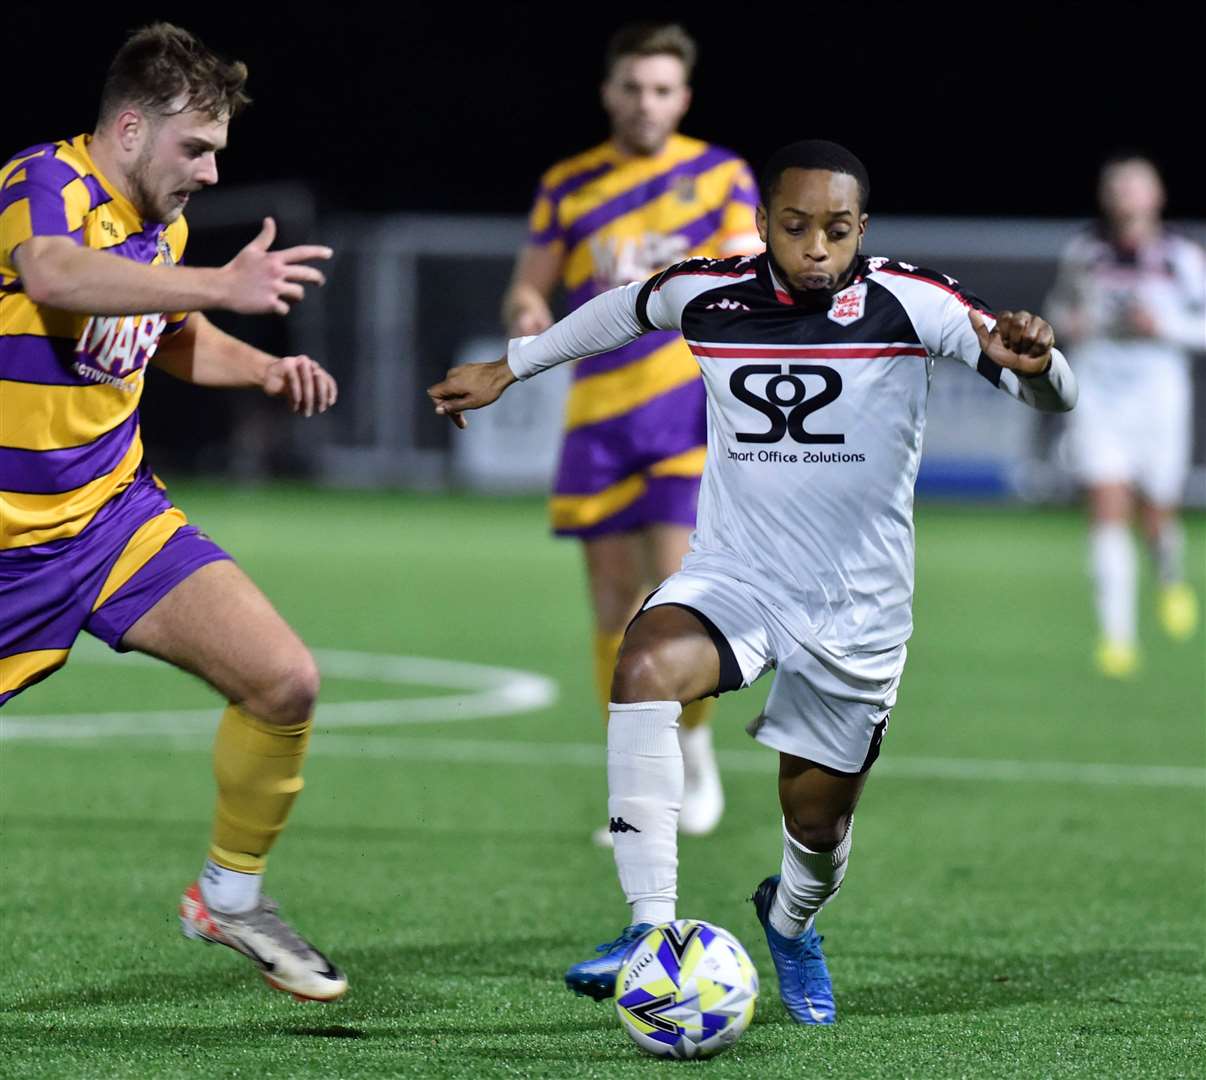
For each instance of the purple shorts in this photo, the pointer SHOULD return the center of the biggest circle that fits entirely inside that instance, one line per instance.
(136, 549)
(635, 470)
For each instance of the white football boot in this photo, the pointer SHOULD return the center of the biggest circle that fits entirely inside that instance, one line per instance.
(286, 960)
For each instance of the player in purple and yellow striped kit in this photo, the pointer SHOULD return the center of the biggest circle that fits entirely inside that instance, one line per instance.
(91, 232)
(635, 424)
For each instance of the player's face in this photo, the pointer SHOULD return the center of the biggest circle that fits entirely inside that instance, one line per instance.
(813, 227)
(177, 156)
(646, 98)
(1130, 191)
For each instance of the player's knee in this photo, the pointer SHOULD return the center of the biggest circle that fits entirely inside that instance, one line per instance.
(818, 830)
(641, 675)
(288, 692)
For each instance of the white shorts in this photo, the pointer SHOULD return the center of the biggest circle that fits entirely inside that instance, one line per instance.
(815, 710)
(1138, 434)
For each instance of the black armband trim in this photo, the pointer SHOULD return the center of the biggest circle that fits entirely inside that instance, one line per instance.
(642, 301)
(990, 369)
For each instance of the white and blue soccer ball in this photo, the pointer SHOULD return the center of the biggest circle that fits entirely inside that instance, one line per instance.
(687, 990)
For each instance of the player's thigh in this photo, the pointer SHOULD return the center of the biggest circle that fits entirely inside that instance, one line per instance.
(218, 625)
(616, 566)
(667, 655)
(701, 631)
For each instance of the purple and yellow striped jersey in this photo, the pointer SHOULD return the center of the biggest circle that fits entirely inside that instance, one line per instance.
(70, 384)
(616, 219)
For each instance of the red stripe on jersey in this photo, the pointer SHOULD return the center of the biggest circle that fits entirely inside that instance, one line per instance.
(937, 285)
(705, 273)
(814, 352)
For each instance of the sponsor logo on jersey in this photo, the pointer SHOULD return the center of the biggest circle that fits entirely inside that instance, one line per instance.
(113, 346)
(785, 401)
(622, 261)
(849, 305)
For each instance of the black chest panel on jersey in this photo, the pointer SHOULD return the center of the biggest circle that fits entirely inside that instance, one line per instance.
(750, 312)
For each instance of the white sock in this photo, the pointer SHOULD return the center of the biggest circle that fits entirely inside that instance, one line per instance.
(1113, 550)
(645, 792)
(1168, 549)
(229, 891)
(808, 881)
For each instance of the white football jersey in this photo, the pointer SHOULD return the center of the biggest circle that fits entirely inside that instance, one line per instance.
(815, 424)
(1099, 281)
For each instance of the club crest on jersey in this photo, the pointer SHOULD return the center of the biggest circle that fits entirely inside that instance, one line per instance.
(684, 189)
(849, 304)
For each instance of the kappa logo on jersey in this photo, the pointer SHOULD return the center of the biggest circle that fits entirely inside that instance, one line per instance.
(848, 305)
(727, 305)
(112, 346)
(785, 402)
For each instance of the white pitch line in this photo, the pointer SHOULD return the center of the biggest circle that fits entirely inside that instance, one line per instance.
(762, 762)
(492, 692)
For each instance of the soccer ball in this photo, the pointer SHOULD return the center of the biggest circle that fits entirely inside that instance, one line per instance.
(686, 990)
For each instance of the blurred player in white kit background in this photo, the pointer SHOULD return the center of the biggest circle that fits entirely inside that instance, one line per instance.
(1130, 307)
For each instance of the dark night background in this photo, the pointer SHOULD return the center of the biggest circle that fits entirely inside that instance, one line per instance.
(997, 109)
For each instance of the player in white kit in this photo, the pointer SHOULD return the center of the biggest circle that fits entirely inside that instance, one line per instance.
(817, 362)
(1130, 300)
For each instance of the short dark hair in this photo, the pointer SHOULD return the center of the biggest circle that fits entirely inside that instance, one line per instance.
(162, 63)
(813, 154)
(650, 39)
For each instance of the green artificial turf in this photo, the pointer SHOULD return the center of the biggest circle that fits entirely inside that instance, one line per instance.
(1007, 912)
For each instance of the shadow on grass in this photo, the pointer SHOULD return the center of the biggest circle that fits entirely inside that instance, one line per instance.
(421, 979)
(939, 983)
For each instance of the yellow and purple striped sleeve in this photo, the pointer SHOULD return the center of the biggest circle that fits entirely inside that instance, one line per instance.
(40, 196)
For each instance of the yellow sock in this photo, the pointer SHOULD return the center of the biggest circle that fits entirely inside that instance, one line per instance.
(258, 769)
(607, 648)
(697, 713)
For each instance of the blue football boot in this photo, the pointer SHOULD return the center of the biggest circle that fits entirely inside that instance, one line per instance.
(804, 984)
(597, 978)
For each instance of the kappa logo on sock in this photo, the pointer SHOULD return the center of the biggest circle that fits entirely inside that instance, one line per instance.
(618, 824)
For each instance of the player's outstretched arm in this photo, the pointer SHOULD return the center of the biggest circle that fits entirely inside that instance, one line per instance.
(200, 353)
(604, 323)
(470, 386)
(57, 272)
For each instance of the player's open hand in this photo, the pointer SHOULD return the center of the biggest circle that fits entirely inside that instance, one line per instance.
(263, 282)
(303, 383)
(470, 386)
(1020, 341)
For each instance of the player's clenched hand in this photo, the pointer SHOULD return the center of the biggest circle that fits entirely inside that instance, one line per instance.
(263, 282)
(1020, 341)
(304, 384)
(470, 386)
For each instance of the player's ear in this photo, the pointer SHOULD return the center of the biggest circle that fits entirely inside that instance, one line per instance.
(862, 229)
(760, 220)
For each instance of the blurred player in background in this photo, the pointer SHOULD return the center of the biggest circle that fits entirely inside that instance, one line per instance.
(818, 362)
(91, 230)
(1130, 301)
(635, 424)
